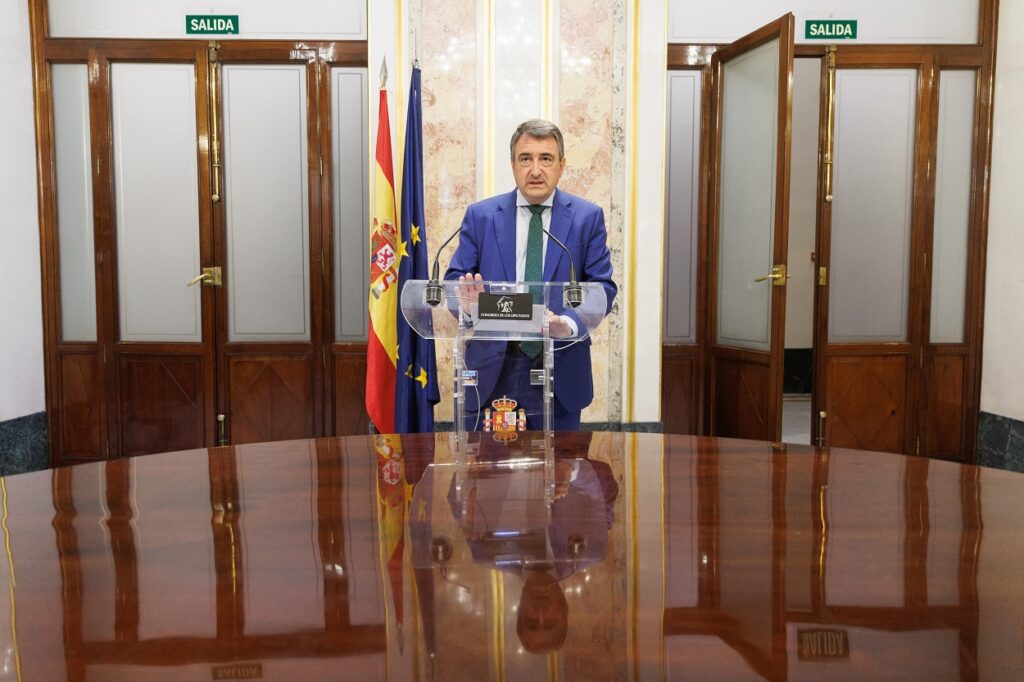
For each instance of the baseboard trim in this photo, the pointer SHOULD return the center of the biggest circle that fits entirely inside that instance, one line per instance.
(24, 444)
(1000, 442)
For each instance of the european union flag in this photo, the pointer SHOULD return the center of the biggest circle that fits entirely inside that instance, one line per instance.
(416, 383)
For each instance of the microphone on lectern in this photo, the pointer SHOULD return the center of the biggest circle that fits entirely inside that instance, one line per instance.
(572, 293)
(433, 293)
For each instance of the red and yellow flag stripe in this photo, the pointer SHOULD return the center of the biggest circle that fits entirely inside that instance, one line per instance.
(386, 250)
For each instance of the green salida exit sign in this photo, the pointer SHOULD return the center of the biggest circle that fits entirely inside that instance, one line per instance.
(830, 29)
(211, 24)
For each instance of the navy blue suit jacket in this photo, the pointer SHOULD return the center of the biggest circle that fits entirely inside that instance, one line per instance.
(487, 245)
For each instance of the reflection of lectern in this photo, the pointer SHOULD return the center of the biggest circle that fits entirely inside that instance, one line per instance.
(507, 318)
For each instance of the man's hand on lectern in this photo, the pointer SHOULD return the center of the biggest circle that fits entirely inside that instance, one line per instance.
(468, 291)
(558, 327)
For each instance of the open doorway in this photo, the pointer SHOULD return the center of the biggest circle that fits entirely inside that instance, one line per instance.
(802, 261)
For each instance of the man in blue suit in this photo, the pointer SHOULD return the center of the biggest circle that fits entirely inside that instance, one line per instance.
(501, 240)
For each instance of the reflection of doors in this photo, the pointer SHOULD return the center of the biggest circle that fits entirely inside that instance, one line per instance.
(748, 205)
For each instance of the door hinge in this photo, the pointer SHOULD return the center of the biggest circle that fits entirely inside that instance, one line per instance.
(822, 276)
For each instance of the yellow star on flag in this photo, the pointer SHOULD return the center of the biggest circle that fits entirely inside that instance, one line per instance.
(415, 235)
(401, 253)
(422, 378)
(408, 371)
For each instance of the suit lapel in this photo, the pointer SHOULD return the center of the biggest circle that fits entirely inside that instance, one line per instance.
(561, 220)
(505, 234)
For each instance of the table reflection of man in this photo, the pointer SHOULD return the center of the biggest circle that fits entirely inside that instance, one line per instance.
(501, 512)
(581, 516)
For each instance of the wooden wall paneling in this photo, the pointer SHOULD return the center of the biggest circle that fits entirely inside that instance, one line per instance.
(78, 413)
(943, 412)
(162, 400)
(679, 388)
(350, 417)
(866, 401)
(741, 392)
(270, 395)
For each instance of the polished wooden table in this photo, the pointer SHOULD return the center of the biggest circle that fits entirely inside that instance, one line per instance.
(592, 556)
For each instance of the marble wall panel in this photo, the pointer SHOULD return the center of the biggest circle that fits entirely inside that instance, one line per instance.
(587, 45)
(588, 48)
(448, 58)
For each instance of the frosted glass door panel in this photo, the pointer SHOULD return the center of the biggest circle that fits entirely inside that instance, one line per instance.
(156, 185)
(746, 223)
(681, 202)
(952, 205)
(70, 84)
(267, 207)
(349, 170)
(872, 190)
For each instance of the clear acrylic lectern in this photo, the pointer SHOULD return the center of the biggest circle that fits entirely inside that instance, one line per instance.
(484, 325)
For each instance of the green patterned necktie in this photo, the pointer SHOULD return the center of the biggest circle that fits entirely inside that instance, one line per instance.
(534, 265)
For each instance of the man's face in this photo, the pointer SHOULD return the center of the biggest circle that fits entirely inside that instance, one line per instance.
(537, 168)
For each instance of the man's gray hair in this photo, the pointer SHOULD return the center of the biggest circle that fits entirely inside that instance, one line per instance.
(537, 127)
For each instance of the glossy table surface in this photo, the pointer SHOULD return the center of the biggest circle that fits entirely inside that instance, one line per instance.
(582, 556)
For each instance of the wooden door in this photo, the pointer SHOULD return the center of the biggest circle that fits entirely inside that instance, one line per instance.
(159, 330)
(749, 202)
(161, 160)
(870, 294)
(268, 238)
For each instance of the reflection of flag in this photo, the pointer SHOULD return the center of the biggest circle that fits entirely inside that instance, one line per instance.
(393, 496)
(416, 388)
(385, 255)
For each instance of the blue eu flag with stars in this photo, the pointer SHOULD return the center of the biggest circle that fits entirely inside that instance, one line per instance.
(416, 389)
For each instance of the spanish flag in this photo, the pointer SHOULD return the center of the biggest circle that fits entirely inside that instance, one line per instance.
(386, 251)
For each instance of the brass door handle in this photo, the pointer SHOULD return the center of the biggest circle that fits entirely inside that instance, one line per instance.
(209, 277)
(778, 276)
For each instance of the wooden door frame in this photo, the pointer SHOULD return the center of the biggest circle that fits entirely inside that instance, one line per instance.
(923, 410)
(980, 56)
(690, 357)
(98, 405)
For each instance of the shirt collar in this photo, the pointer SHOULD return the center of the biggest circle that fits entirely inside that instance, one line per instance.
(522, 201)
